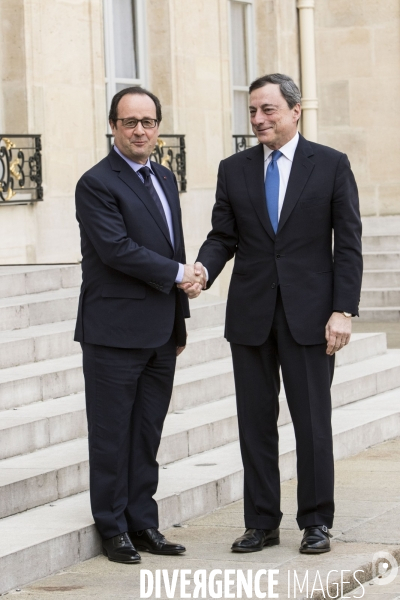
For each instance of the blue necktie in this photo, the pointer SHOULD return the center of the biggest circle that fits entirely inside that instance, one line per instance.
(272, 189)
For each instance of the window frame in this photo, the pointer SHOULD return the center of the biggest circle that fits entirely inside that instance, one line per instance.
(250, 55)
(139, 33)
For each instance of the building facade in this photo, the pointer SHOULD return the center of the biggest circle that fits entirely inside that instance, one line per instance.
(62, 60)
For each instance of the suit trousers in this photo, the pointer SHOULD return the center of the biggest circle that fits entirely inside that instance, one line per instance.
(307, 373)
(127, 397)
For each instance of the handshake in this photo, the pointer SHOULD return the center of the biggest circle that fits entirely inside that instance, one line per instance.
(194, 280)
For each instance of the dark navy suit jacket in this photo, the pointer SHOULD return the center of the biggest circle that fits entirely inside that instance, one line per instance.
(321, 199)
(128, 298)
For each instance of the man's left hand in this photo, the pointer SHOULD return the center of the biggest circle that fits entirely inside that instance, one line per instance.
(179, 350)
(337, 332)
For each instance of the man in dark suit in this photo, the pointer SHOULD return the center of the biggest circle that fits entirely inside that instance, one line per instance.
(289, 305)
(130, 323)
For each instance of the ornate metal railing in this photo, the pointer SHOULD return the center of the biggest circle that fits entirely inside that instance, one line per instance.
(20, 169)
(242, 142)
(170, 151)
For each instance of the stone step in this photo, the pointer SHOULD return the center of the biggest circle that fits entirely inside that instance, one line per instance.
(56, 340)
(361, 380)
(43, 476)
(357, 381)
(39, 381)
(19, 280)
(353, 381)
(42, 424)
(380, 297)
(199, 384)
(361, 347)
(59, 377)
(60, 469)
(53, 537)
(380, 243)
(380, 313)
(381, 260)
(204, 345)
(206, 311)
(381, 226)
(202, 384)
(381, 279)
(18, 312)
(37, 343)
(219, 471)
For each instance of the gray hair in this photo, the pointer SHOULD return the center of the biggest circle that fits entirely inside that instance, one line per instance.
(289, 89)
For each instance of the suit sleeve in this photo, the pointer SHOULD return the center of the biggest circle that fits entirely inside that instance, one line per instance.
(184, 300)
(348, 261)
(98, 214)
(221, 243)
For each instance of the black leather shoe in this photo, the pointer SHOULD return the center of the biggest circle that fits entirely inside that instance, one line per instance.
(315, 540)
(120, 549)
(254, 540)
(151, 540)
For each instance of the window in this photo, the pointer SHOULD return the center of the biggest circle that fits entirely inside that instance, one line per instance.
(124, 40)
(242, 62)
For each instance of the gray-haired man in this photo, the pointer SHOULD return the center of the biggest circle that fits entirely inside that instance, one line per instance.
(289, 304)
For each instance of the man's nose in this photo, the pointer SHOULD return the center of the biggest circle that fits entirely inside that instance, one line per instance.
(258, 118)
(139, 129)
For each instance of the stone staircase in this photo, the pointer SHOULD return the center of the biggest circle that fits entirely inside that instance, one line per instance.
(45, 519)
(380, 297)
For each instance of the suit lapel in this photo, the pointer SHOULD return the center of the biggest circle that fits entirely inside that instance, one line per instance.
(171, 193)
(301, 170)
(129, 177)
(254, 176)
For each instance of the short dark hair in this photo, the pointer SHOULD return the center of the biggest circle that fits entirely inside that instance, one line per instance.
(113, 114)
(289, 89)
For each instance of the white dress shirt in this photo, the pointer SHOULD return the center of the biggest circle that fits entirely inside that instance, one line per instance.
(167, 210)
(284, 163)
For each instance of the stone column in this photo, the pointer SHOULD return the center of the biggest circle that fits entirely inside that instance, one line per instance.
(308, 69)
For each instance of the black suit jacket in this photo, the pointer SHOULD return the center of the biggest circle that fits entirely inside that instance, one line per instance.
(128, 297)
(314, 280)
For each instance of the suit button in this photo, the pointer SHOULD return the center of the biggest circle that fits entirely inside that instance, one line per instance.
(278, 256)
(273, 285)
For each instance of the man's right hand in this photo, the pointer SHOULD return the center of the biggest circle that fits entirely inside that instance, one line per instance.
(194, 280)
(194, 274)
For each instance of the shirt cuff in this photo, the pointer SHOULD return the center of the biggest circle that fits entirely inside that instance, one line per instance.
(206, 270)
(180, 274)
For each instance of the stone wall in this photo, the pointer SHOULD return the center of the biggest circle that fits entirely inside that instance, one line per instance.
(53, 84)
(358, 72)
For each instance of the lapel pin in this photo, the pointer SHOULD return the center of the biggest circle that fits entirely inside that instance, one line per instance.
(165, 177)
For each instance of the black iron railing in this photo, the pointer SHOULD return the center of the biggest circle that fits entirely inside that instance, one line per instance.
(242, 142)
(20, 169)
(170, 151)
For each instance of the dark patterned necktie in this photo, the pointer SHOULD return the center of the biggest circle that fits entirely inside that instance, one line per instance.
(145, 172)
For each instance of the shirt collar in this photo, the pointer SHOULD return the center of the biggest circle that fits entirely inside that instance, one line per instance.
(287, 150)
(134, 165)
